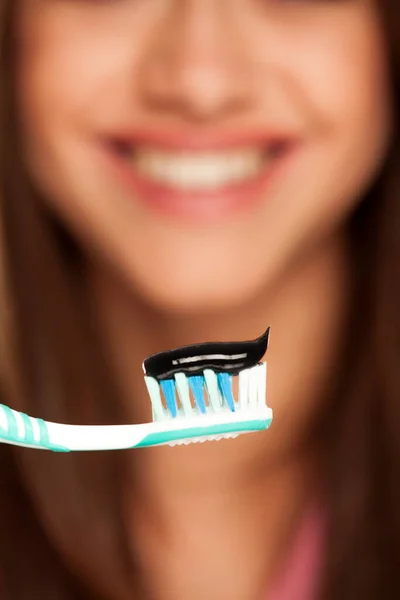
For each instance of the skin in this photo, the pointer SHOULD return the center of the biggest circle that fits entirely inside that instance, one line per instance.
(314, 70)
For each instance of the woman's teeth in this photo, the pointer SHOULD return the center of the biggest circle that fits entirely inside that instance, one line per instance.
(197, 171)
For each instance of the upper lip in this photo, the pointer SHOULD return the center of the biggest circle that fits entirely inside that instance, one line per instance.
(178, 140)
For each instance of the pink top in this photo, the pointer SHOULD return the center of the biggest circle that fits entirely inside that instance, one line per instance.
(299, 579)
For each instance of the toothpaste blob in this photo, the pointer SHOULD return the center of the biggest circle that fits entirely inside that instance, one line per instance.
(221, 357)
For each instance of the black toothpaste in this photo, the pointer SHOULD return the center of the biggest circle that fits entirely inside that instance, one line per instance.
(221, 357)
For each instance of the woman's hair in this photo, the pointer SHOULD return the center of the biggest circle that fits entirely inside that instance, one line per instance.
(61, 516)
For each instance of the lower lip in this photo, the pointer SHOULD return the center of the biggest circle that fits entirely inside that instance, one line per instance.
(215, 205)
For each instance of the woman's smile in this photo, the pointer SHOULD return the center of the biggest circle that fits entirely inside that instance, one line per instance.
(200, 176)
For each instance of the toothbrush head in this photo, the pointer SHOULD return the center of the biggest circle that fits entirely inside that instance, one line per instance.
(209, 391)
(193, 399)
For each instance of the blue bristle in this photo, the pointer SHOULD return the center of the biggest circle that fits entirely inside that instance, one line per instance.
(168, 388)
(225, 385)
(197, 387)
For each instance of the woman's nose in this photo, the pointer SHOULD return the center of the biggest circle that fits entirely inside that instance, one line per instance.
(198, 66)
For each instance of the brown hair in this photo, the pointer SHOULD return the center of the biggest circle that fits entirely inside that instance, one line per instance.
(60, 515)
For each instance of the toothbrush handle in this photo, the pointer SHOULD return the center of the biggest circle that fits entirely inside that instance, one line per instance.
(19, 429)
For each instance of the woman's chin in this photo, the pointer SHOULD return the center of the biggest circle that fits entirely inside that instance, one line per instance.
(195, 295)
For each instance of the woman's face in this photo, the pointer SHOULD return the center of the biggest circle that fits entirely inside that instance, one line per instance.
(202, 147)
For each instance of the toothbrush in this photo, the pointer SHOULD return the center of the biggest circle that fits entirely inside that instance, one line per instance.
(192, 399)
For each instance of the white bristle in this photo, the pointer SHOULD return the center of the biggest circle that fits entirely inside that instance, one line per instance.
(182, 385)
(262, 384)
(244, 389)
(153, 388)
(253, 387)
(213, 390)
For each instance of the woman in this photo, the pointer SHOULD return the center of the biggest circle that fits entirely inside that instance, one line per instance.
(175, 172)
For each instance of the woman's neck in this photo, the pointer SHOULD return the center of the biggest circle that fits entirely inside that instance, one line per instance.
(211, 520)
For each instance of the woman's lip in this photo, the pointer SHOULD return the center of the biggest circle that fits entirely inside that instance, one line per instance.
(206, 141)
(210, 205)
